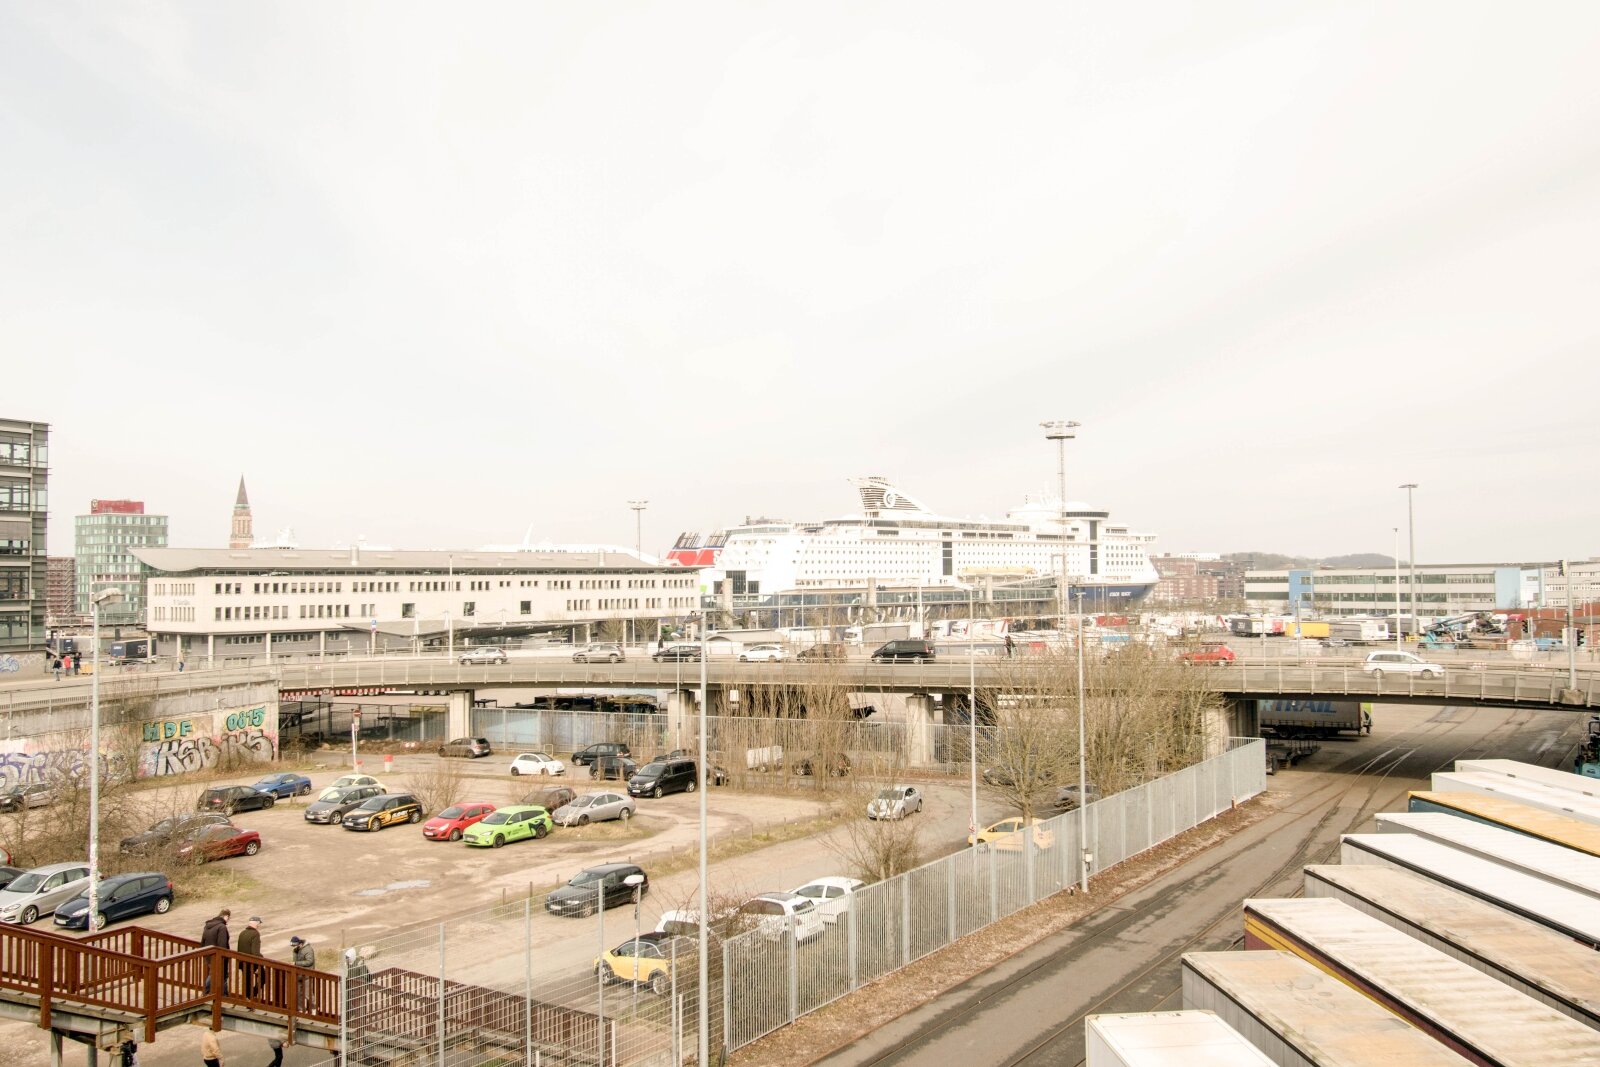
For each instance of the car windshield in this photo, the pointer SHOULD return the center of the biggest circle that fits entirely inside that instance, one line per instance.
(494, 818)
(584, 802)
(171, 822)
(583, 878)
(888, 794)
(650, 770)
(454, 811)
(26, 883)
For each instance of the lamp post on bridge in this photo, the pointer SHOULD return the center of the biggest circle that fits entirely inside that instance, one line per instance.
(91, 919)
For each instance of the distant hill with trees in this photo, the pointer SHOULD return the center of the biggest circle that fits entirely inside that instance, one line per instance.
(1273, 561)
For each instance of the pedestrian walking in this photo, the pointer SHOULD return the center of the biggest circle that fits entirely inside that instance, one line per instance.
(210, 1051)
(1011, 647)
(57, 665)
(215, 935)
(250, 945)
(355, 983)
(303, 955)
(180, 665)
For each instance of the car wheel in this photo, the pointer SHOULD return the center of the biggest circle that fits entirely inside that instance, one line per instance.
(1430, 674)
(544, 771)
(613, 659)
(625, 814)
(455, 835)
(29, 914)
(515, 773)
(229, 810)
(656, 793)
(499, 839)
(100, 921)
(442, 752)
(689, 788)
(270, 801)
(583, 820)
(916, 659)
(163, 905)
(416, 817)
(373, 826)
(1378, 675)
(252, 848)
(539, 831)
(744, 659)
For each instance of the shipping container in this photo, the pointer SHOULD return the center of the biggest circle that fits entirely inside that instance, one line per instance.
(1532, 959)
(1498, 811)
(1167, 1039)
(1465, 1009)
(1530, 855)
(1557, 801)
(1306, 628)
(1549, 777)
(1573, 912)
(1301, 1016)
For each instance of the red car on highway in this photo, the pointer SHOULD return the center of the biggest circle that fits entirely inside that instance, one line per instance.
(1218, 655)
(453, 821)
(218, 842)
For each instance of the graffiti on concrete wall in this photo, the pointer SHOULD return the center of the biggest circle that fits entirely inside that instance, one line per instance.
(29, 765)
(180, 746)
(166, 746)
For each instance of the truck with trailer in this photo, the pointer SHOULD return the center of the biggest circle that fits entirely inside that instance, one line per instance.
(1293, 719)
(1166, 1039)
(139, 648)
(1359, 631)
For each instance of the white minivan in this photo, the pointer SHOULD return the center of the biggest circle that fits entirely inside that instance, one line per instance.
(1381, 663)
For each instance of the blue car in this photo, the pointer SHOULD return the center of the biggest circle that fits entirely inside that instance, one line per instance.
(121, 897)
(284, 785)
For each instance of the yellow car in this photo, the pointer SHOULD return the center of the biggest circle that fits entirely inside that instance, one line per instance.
(1006, 835)
(647, 960)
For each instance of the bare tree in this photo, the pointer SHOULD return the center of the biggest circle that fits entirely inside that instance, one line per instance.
(438, 785)
(876, 849)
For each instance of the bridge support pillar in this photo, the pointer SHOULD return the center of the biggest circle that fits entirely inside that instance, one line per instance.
(682, 726)
(1243, 719)
(919, 719)
(458, 716)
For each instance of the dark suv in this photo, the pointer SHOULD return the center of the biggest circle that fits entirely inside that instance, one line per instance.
(825, 650)
(470, 747)
(660, 777)
(585, 756)
(913, 649)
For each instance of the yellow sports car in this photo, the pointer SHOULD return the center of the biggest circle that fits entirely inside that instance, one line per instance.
(1006, 835)
(647, 960)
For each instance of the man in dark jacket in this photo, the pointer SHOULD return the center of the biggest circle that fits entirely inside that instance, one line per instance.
(250, 945)
(304, 956)
(215, 934)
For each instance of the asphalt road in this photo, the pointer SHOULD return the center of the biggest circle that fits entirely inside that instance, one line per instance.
(1030, 1009)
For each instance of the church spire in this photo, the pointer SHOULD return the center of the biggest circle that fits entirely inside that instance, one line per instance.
(242, 534)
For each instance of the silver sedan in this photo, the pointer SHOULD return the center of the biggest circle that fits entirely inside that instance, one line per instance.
(594, 807)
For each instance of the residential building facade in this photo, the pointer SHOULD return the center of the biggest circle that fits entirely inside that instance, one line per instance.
(103, 545)
(1183, 581)
(220, 603)
(24, 512)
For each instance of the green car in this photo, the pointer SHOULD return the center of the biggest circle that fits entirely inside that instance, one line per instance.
(508, 824)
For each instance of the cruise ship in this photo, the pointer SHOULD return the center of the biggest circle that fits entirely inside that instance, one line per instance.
(897, 542)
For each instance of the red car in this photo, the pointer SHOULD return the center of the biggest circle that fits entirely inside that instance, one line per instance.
(450, 823)
(1220, 655)
(218, 842)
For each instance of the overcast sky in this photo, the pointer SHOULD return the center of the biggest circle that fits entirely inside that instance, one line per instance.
(434, 274)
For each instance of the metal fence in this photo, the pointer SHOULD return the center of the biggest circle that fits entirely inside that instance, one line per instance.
(507, 986)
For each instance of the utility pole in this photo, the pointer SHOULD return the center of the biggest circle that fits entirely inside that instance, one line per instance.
(1572, 632)
(1061, 431)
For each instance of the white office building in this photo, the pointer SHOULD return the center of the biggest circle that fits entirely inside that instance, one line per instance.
(1442, 589)
(209, 605)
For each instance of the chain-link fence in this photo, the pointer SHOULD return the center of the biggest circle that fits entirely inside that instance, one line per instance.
(517, 990)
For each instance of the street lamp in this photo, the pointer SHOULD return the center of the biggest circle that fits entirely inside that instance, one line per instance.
(702, 1008)
(96, 600)
(1083, 765)
(1411, 562)
(1061, 431)
(638, 507)
(1397, 589)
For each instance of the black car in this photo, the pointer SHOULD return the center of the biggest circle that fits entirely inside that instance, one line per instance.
(605, 768)
(660, 777)
(912, 649)
(837, 764)
(606, 883)
(231, 798)
(824, 650)
(674, 653)
(169, 830)
(386, 809)
(550, 797)
(585, 756)
(331, 807)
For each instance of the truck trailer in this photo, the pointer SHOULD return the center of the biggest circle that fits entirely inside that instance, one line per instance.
(1313, 718)
(1166, 1039)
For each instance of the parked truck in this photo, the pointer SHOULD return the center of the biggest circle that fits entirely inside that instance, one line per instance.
(873, 634)
(1313, 718)
(1359, 631)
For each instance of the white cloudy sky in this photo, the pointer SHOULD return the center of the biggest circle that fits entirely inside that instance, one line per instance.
(432, 274)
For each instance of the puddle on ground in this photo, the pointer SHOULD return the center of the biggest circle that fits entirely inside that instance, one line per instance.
(393, 887)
